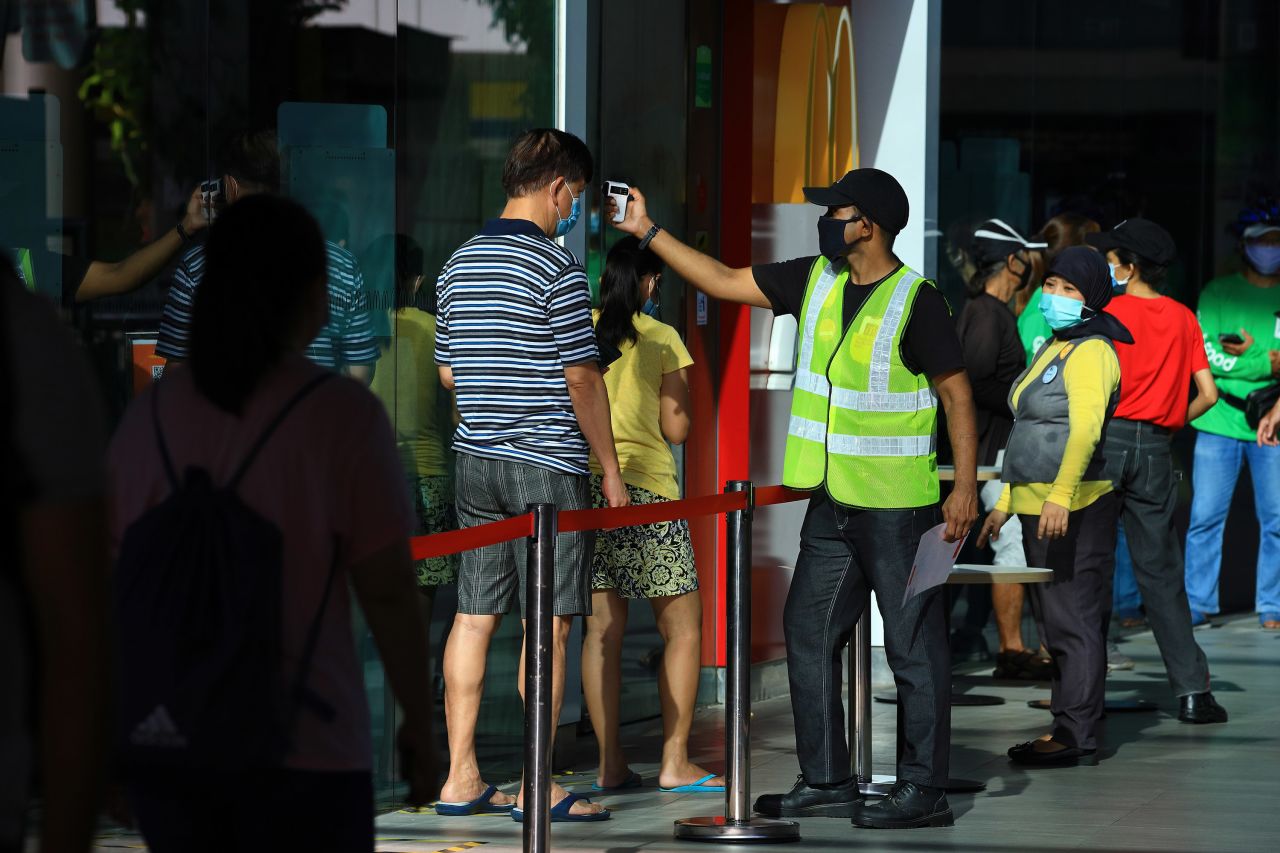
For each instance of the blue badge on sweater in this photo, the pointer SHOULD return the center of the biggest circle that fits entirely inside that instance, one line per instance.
(1049, 374)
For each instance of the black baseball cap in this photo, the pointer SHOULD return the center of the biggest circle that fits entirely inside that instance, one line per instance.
(1141, 236)
(877, 194)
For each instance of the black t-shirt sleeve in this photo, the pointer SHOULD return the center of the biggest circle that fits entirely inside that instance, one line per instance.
(784, 283)
(930, 344)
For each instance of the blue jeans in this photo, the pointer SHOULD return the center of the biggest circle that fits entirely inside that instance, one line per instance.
(1217, 467)
(1126, 600)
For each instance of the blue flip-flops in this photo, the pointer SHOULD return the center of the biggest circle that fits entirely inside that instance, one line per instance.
(560, 812)
(699, 787)
(632, 781)
(482, 804)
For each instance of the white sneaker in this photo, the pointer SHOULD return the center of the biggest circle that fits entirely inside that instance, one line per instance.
(1115, 660)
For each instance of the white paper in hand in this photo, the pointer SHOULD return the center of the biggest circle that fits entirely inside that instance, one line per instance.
(935, 558)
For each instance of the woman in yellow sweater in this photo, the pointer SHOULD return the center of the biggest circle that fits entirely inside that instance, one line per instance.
(649, 407)
(1054, 482)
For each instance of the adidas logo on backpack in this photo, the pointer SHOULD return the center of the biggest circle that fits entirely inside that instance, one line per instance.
(158, 730)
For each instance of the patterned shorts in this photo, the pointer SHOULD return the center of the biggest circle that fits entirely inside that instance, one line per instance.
(646, 561)
(433, 512)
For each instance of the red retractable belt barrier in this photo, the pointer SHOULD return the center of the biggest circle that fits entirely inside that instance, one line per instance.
(773, 495)
(440, 544)
(495, 532)
(629, 516)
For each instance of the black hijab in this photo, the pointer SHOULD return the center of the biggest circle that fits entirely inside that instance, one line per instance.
(1088, 271)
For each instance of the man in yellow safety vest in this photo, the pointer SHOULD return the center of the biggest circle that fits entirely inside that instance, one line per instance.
(877, 350)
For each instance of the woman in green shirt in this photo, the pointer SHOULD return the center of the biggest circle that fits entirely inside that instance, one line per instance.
(1060, 232)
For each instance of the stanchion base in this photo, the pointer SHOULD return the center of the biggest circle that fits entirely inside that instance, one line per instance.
(879, 786)
(1111, 706)
(761, 830)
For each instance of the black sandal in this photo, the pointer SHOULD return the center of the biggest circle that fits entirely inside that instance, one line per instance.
(1025, 665)
(1027, 755)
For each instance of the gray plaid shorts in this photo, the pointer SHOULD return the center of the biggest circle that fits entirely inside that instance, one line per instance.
(490, 579)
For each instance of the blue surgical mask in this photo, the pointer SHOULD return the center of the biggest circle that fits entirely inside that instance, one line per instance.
(651, 308)
(1264, 257)
(1116, 284)
(564, 226)
(1060, 312)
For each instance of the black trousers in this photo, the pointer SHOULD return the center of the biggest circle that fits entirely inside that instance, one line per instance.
(1070, 611)
(845, 554)
(1140, 465)
(263, 812)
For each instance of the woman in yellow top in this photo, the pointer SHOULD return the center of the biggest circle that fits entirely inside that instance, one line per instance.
(406, 381)
(1054, 481)
(649, 403)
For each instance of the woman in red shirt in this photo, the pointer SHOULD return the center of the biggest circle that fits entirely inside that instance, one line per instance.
(1167, 355)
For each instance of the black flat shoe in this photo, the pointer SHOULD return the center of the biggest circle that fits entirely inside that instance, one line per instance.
(907, 806)
(804, 801)
(1201, 708)
(1028, 756)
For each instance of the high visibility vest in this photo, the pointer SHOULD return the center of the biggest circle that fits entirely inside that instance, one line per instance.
(861, 422)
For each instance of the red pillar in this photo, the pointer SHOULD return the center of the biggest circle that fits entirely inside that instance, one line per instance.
(733, 413)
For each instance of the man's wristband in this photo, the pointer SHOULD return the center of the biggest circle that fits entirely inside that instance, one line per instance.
(182, 233)
(648, 238)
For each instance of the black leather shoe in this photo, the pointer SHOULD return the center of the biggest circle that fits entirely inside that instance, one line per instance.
(804, 801)
(1028, 756)
(1201, 708)
(906, 806)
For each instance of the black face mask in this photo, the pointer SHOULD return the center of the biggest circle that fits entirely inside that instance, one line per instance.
(1024, 277)
(831, 237)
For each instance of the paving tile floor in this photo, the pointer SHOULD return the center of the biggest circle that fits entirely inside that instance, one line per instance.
(1160, 786)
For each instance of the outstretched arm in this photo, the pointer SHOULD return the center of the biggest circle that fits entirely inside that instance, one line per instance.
(108, 279)
(702, 271)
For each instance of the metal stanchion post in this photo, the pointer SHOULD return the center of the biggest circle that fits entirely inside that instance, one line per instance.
(737, 824)
(538, 586)
(860, 707)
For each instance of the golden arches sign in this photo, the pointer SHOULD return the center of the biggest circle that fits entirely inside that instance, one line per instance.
(816, 126)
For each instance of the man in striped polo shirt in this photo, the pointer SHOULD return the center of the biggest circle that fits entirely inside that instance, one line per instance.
(252, 165)
(514, 341)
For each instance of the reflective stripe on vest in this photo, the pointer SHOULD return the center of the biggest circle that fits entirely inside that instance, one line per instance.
(883, 401)
(807, 429)
(806, 379)
(881, 445)
(889, 331)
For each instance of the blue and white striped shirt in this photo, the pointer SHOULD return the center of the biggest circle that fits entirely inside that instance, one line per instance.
(347, 339)
(514, 311)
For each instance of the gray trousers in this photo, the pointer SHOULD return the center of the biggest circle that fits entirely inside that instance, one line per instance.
(1070, 612)
(1140, 466)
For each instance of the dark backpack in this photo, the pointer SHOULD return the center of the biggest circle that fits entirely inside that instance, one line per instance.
(198, 609)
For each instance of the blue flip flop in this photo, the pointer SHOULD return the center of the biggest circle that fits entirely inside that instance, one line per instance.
(560, 812)
(482, 804)
(632, 781)
(699, 787)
